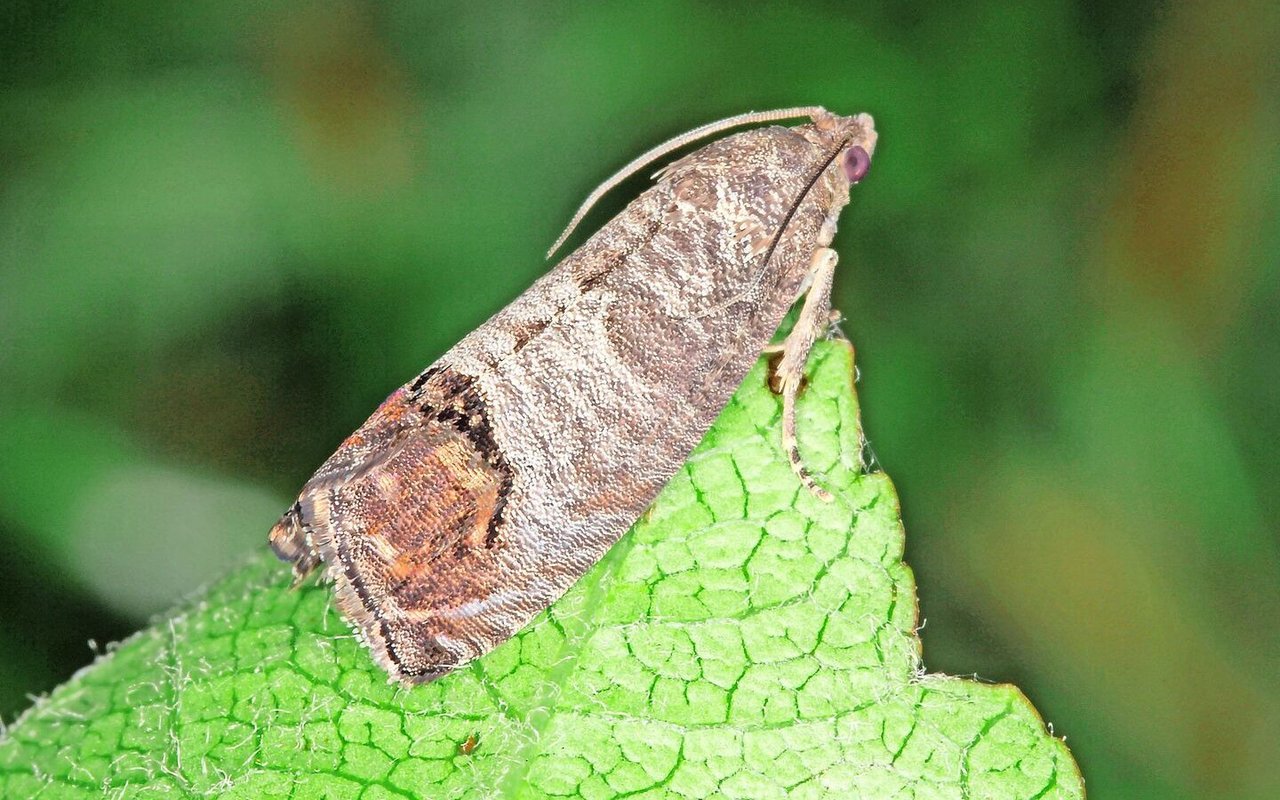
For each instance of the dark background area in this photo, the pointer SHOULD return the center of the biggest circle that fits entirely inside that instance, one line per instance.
(226, 233)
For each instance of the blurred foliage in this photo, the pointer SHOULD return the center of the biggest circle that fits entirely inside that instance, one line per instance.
(227, 230)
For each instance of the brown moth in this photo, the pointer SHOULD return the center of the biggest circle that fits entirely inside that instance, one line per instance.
(481, 490)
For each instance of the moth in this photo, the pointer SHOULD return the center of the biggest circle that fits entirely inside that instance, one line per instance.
(482, 489)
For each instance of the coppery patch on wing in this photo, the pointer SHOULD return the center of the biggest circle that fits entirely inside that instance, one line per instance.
(461, 406)
(408, 513)
(408, 535)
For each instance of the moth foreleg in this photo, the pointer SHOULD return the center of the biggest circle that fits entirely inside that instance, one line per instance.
(815, 316)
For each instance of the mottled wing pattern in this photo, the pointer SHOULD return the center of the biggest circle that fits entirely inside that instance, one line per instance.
(419, 485)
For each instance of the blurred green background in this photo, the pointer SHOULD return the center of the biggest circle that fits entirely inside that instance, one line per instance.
(228, 229)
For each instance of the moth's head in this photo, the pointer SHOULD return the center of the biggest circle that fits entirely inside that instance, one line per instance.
(856, 136)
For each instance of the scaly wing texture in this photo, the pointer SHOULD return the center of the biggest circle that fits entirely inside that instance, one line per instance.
(744, 641)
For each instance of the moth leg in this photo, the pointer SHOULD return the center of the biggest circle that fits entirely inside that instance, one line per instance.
(289, 541)
(834, 318)
(815, 316)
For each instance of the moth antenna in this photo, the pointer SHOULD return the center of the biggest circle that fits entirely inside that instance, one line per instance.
(648, 157)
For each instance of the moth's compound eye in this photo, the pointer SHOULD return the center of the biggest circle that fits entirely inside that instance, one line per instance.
(856, 163)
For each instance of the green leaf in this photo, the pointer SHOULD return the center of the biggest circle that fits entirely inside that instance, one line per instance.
(744, 640)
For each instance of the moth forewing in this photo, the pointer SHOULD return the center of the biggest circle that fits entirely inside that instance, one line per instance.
(482, 489)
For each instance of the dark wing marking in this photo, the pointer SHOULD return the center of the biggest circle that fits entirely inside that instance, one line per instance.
(408, 515)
